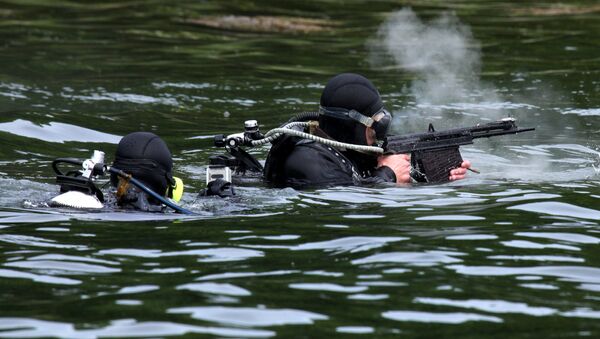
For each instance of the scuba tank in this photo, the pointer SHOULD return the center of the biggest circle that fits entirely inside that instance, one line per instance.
(78, 187)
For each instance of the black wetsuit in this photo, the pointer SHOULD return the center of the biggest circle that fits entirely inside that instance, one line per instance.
(303, 163)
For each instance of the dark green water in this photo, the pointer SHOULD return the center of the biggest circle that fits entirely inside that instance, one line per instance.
(512, 252)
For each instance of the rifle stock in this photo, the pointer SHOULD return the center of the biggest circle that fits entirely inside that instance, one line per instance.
(434, 154)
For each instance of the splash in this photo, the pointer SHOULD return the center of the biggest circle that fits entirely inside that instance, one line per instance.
(596, 166)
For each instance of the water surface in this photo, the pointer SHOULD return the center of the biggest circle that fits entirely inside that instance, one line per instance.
(512, 251)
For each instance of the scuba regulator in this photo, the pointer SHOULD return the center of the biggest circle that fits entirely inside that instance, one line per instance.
(77, 187)
(219, 173)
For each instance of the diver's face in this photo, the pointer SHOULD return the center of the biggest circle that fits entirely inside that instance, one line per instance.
(370, 134)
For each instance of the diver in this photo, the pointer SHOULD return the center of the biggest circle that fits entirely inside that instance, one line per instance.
(351, 111)
(147, 158)
(141, 178)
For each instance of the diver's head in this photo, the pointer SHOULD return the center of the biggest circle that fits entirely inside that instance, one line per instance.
(352, 110)
(147, 158)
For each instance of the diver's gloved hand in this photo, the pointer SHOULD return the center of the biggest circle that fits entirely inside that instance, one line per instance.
(399, 164)
(460, 172)
(218, 187)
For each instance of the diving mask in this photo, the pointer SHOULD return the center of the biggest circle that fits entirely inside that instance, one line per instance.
(380, 122)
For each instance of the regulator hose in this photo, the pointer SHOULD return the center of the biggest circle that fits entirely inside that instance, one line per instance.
(302, 116)
(150, 192)
(275, 133)
(72, 161)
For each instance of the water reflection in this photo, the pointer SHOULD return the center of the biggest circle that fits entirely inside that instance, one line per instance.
(349, 244)
(57, 132)
(427, 258)
(492, 306)
(41, 278)
(442, 318)
(26, 240)
(216, 288)
(248, 316)
(558, 258)
(355, 329)
(565, 273)
(566, 237)
(534, 245)
(205, 255)
(138, 289)
(31, 328)
(559, 209)
(61, 267)
(328, 287)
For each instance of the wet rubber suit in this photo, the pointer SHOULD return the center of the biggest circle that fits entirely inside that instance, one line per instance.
(303, 163)
(312, 164)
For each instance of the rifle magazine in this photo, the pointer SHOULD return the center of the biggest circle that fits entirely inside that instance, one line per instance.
(436, 165)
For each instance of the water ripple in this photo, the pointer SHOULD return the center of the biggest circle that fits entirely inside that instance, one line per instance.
(472, 237)
(355, 329)
(33, 328)
(582, 313)
(492, 306)
(427, 258)
(47, 279)
(328, 287)
(57, 132)
(530, 196)
(568, 237)
(534, 245)
(559, 209)
(62, 267)
(558, 258)
(249, 316)
(221, 254)
(536, 286)
(362, 296)
(443, 318)
(123, 97)
(215, 288)
(27, 240)
(138, 289)
(567, 273)
(453, 217)
(349, 244)
(231, 275)
(583, 112)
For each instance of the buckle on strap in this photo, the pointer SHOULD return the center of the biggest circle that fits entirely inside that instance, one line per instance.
(360, 118)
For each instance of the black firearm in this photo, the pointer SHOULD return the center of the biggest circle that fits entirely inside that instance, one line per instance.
(434, 154)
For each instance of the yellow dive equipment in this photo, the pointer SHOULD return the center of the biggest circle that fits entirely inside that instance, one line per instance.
(176, 191)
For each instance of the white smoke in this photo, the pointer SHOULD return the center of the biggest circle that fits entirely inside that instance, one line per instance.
(444, 61)
(442, 53)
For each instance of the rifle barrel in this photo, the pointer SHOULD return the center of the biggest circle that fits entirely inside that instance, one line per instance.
(452, 137)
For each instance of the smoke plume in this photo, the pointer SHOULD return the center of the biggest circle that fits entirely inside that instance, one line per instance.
(442, 54)
(444, 61)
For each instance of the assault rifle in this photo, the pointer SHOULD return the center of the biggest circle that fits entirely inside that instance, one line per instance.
(434, 154)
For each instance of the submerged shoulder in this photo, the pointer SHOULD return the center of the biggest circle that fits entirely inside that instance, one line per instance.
(314, 164)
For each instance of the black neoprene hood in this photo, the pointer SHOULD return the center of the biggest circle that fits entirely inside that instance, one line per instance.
(352, 91)
(145, 145)
(349, 91)
(147, 157)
